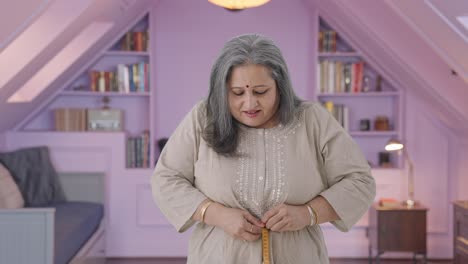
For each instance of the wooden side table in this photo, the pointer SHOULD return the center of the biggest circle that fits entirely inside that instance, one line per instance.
(397, 228)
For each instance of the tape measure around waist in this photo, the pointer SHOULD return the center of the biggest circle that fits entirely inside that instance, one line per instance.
(265, 246)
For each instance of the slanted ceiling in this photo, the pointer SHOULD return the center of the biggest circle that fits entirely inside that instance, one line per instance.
(417, 53)
(17, 16)
(436, 21)
(29, 52)
(404, 54)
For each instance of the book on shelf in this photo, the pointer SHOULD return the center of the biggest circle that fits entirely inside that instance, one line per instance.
(340, 77)
(125, 79)
(70, 119)
(134, 41)
(327, 41)
(138, 151)
(340, 112)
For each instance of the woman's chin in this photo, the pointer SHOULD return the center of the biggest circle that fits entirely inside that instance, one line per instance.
(251, 123)
(254, 124)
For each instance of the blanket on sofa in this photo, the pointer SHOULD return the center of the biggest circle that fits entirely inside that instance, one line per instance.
(36, 177)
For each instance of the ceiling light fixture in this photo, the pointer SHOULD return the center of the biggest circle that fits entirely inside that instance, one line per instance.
(238, 4)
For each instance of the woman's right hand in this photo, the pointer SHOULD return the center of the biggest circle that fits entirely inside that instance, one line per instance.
(238, 223)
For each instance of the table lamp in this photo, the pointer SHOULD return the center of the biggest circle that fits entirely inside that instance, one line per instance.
(396, 145)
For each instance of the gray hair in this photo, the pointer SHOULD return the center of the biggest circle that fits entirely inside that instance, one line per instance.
(221, 129)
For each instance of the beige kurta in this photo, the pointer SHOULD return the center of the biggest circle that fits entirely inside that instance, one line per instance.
(310, 156)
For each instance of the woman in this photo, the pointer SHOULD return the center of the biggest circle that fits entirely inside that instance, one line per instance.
(254, 156)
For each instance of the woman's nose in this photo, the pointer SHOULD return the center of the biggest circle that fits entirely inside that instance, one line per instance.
(251, 101)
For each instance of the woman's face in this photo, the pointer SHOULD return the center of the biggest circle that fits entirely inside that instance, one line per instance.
(253, 96)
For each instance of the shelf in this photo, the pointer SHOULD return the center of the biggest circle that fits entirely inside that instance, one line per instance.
(338, 54)
(140, 171)
(88, 93)
(126, 53)
(373, 133)
(361, 94)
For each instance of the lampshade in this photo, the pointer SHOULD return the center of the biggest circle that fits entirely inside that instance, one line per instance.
(393, 145)
(238, 4)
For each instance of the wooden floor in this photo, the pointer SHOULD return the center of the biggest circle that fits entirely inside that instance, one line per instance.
(332, 261)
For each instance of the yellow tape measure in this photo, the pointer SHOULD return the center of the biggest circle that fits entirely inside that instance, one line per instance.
(265, 246)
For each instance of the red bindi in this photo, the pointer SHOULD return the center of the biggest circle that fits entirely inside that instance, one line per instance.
(247, 86)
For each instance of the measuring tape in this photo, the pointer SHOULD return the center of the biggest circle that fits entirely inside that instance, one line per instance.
(265, 246)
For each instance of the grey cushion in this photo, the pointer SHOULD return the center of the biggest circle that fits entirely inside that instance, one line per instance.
(35, 175)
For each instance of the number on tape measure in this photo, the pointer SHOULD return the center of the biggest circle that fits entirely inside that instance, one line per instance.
(265, 246)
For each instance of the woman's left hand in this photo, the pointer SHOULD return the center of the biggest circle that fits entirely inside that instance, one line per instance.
(286, 217)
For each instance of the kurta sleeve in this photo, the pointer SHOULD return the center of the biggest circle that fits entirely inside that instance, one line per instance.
(351, 187)
(173, 178)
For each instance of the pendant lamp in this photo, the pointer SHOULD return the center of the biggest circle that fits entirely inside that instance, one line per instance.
(238, 4)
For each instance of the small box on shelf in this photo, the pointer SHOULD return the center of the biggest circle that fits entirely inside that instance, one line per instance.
(389, 202)
(381, 123)
(385, 160)
(105, 120)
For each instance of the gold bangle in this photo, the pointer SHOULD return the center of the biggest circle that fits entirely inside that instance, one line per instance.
(313, 215)
(203, 210)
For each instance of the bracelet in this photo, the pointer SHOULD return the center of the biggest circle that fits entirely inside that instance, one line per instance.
(313, 214)
(203, 210)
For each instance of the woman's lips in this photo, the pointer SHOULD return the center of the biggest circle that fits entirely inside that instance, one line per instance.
(252, 114)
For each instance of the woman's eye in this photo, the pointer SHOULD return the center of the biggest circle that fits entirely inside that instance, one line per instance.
(261, 92)
(238, 94)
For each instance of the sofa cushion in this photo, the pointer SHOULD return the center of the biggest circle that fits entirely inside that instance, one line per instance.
(35, 175)
(75, 223)
(10, 195)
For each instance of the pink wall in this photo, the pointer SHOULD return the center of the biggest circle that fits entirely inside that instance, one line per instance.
(460, 167)
(190, 34)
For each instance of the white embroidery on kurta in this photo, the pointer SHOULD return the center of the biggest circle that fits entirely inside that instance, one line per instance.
(261, 182)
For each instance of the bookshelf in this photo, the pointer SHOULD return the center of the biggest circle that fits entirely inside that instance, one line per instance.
(120, 74)
(367, 106)
(128, 201)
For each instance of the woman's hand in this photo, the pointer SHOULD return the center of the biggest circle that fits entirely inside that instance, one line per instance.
(286, 217)
(238, 223)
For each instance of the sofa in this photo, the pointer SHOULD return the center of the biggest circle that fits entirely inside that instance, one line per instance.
(38, 224)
